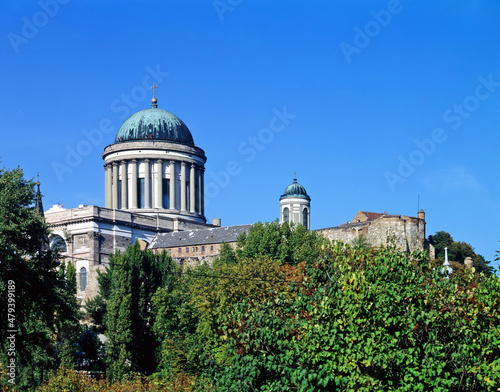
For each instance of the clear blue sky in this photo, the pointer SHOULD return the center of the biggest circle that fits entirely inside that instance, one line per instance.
(384, 101)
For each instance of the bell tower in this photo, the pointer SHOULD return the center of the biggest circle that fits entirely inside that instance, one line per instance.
(295, 204)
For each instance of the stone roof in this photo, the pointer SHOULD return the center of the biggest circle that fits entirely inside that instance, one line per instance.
(214, 235)
(372, 215)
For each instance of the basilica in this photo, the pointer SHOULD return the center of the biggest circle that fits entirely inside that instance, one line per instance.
(154, 193)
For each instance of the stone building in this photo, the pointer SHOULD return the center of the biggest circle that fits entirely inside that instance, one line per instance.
(153, 184)
(407, 233)
(197, 245)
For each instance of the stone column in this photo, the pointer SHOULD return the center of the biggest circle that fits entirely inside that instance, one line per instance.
(108, 186)
(183, 186)
(114, 191)
(172, 185)
(134, 178)
(202, 190)
(147, 196)
(159, 183)
(123, 167)
(192, 188)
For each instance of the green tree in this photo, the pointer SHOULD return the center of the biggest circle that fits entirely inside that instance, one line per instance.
(176, 322)
(369, 320)
(36, 300)
(287, 243)
(127, 286)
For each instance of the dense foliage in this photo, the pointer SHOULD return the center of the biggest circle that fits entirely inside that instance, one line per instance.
(285, 310)
(38, 310)
(127, 288)
(370, 320)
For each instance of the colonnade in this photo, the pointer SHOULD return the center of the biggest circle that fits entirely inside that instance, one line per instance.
(139, 184)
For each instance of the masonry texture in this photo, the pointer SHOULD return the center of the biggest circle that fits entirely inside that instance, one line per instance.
(405, 232)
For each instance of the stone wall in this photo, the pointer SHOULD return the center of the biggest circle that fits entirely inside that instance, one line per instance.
(405, 232)
(195, 253)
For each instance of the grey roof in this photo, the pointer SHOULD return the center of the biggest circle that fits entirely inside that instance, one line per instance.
(198, 237)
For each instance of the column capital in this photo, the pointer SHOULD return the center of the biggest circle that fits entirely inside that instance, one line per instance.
(159, 160)
(183, 163)
(134, 160)
(114, 163)
(146, 160)
(123, 162)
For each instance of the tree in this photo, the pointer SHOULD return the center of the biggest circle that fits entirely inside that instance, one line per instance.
(176, 322)
(458, 251)
(285, 242)
(127, 286)
(371, 319)
(37, 301)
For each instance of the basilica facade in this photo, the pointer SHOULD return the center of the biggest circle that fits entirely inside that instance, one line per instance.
(154, 183)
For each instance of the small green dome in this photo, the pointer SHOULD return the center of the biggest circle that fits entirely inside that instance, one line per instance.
(154, 124)
(295, 190)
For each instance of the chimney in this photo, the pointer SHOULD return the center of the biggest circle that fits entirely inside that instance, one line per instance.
(216, 222)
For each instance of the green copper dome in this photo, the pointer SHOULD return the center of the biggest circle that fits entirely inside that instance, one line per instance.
(295, 190)
(154, 124)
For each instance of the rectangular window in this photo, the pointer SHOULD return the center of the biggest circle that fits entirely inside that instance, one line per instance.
(211, 247)
(187, 249)
(180, 250)
(140, 192)
(166, 193)
(203, 249)
(119, 194)
(169, 251)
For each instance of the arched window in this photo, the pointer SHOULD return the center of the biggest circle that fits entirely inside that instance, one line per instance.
(58, 244)
(286, 214)
(83, 278)
(304, 217)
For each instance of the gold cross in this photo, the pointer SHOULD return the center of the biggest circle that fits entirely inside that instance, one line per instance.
(154, 88)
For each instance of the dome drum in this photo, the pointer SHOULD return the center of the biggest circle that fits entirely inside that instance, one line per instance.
(155, 168)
